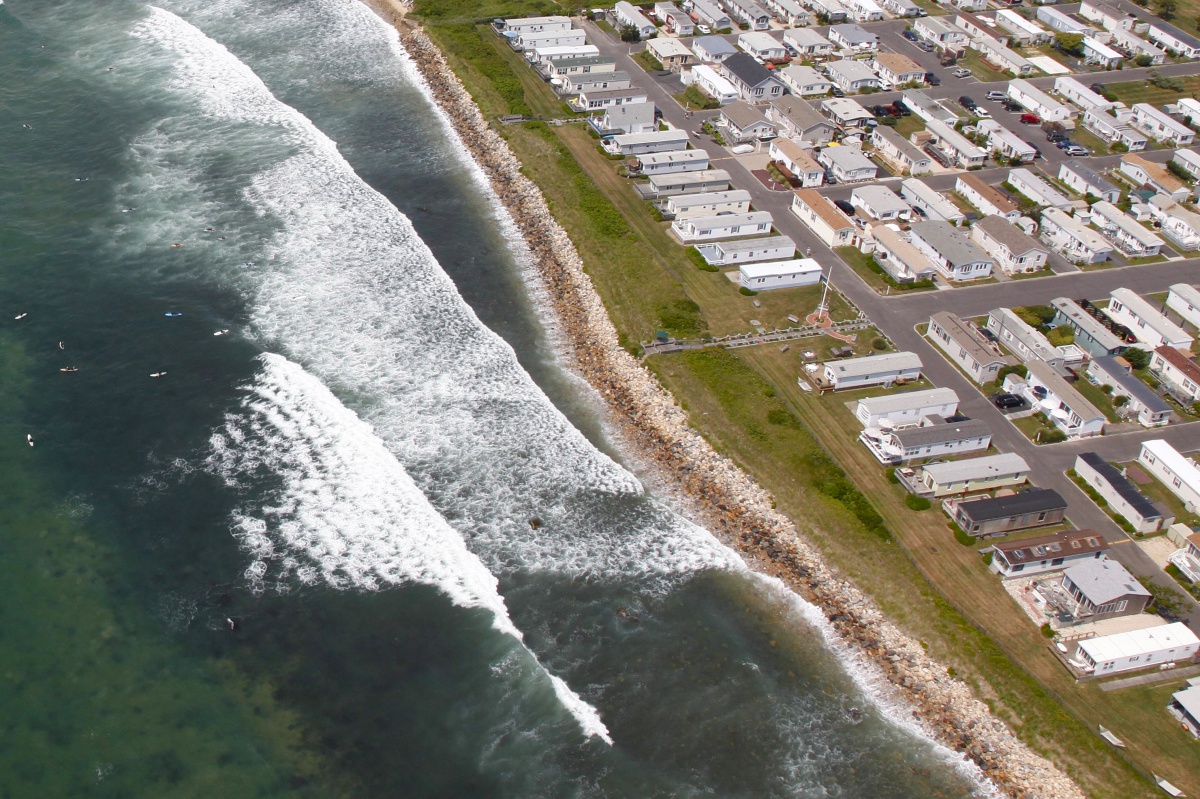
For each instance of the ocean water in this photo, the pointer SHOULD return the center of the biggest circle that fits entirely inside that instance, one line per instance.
(273, 535)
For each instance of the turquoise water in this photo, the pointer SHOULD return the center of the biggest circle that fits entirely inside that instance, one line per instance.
(298, 562)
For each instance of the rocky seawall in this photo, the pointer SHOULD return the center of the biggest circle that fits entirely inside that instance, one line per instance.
(733, 505)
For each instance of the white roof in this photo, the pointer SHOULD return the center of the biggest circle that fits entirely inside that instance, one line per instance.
(777, 268)
(803, 76)
(960, 143)
(1034, 93)
(1084, 235)
(875, 364)
(1082, 95)
(1153, 318)
(729, 220)
(1189, 700)
(1187, 292)
(566, 50)
(807, 37)
(715, 79)
(908, 400)
(1111, 213)
(1019, 21)
(1162, 119)
(977, 468)
(931, 197)
(526, 22)
(1182, 467)
(674, 156)
(626, 139)
(880, 198)
(1101, 48)
(1138, 642)
(708, 197)
(759, 40)
(667, 47)
(853, 70)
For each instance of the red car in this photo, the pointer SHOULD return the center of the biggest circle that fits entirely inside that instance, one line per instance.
(1031, 119)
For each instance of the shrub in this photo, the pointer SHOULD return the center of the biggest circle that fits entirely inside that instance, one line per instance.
(704, 266)
(1052, 436)
(962, 536)
(1047, 631)
(1143, 60)
(1119, 147)
(747, 292)
(1120, 401)
(1017, 369)
(830, 480)
(682, 318)
(879, 344)
(629, 33)
(916, 503)
(1106, 388)
(780, 417)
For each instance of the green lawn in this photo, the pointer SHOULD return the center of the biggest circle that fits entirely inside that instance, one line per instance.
(981, 69)
(1094, 395)
(864, 266)
(1140, 91)
(1159, 493)
(907, 126)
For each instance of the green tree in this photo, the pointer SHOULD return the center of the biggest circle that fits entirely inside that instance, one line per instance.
(1138, 358)
(1071, 42)
(1144, 60)
(1167, 8)
(629, 33)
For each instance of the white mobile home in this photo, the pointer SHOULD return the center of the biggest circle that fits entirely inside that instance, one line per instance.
(1159, 126)
(930, 203)
(779, 274)
(936, 438)
(1061, 402)
(1071, 89)
(722, 226)
(1081, 178)
(951, 251)
(1141, 401)
(987, 198)
(965, 346)
(873, 370)
(524, 25)
(1184, 299)
(1027, 343)
(1059, 22)
(1174, 41)
(671, 53)
(686, 183)
(762, 46)
(683, 206)
(1175, 471)
(626, 13)
(1179, 374)
(825, 219)
(1015, 251)
(906, 409)
(797, 163)
(676, 161)
(713, 84)
(897, 256)
(1036, 189)
(1123, 230)
(1146, 322)
(1006, 470)
(1073, 239)
(747, 251)
(1139, 649)
(1037, 101)
(658, 141)
(559, 38)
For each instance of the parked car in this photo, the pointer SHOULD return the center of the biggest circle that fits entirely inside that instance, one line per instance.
(981, 112)
(1078, 151)
(967, 103)
(961, 72)
(926, 46)
(900, 110)
(932, 79)
(1055, 138)
(1030, 119)
(845, 207)
(792, 51)
(995, 95)
(910, 35)
(1007, 401)
(1015, 108)
(742, 149)
(702, 28)
(836, 92)
(878, 110)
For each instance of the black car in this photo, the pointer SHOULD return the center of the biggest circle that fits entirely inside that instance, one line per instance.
(967, 103)
(908, 34)
(1055, 138)
(1007, 401)
(932, 79)
(1014, 107)
(836, 92)
(845, 207)
(878, 110)
(898, 110)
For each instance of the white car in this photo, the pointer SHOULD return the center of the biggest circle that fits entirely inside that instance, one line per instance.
(704, 29)
(995, 95)
(742, 149)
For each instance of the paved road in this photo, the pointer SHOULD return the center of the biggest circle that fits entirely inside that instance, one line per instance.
(898, 315)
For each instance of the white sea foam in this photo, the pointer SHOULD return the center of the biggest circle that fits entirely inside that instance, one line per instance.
(871, 681)
(346, 513)
(350, 290)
